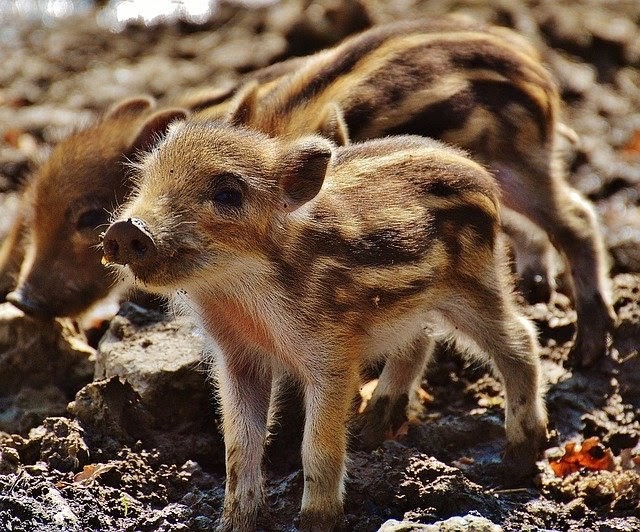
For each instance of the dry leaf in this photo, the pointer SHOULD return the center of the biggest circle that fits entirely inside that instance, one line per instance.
(90, 472)
(590, 455)
(366, 392)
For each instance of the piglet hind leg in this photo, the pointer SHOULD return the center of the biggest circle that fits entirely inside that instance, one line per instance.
(398, 382)
(515, 357)
(244, 397)
(577, 234)
(328, 401)
(534, 257)
(490, 327)
(540, 192)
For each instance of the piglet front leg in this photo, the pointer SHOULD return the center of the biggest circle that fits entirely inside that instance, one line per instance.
(328, 402)
(244, 396)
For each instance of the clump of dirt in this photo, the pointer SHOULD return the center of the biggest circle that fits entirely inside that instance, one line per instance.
(138, 447)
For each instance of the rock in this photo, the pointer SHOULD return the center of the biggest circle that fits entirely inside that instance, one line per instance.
(36, 353)
(403, 479)
(59, 442)
(42, 365)
(9, 460)
(29, 406)
(160, 357)
(151, 387)
(467, 523)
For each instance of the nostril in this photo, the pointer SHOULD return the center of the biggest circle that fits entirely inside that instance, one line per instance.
(110, 247)
(138, 247)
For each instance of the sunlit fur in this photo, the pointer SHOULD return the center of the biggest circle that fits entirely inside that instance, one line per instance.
(400, 239)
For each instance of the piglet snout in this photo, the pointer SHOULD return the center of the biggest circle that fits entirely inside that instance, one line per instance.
(128, 241)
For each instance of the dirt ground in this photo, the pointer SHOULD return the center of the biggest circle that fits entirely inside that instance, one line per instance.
(110, 461)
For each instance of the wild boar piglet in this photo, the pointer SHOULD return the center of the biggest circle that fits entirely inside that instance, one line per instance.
(305, 259)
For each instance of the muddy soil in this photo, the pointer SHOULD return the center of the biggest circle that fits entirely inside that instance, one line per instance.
(87, 443)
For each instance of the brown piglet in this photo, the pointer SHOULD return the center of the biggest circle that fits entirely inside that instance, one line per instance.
(303, 259)
(54, 245)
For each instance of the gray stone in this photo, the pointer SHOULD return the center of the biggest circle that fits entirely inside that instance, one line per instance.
(160, 357)
(42, 365)
(467, 523)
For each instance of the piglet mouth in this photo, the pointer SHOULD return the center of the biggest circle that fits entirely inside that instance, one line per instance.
(128, 242)
(30, 305)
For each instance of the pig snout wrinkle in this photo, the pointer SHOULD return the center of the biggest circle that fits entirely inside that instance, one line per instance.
(127, 242)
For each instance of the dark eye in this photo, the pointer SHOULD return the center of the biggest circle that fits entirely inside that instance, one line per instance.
(90, 219)
(228, 197)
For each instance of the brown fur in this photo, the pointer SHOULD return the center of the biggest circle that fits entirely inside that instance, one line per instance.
(67, 204)
(299, 258)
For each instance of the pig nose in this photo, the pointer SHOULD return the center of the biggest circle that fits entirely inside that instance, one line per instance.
(128, 241)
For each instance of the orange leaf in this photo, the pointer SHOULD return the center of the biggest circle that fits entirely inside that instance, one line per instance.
(90, 472)
(590, 455)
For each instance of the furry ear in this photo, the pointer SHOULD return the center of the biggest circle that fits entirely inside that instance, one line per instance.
(155, 128)
(243, 106)
(303, 171)
(130, 107)
(333, 125)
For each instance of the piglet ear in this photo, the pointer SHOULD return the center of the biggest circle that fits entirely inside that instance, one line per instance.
(155, 128)
(242, 109)
(303, 171)
(130, 107)
(333, 125)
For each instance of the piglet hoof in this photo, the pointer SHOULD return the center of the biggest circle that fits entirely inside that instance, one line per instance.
(236, 521)
(596, 319)
(585, 353)
(315, 521)
(369, 432)
(590, 345)
(380, 421)
(519, 461)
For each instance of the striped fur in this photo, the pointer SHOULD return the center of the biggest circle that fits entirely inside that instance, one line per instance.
(300, 258)
(481, 88)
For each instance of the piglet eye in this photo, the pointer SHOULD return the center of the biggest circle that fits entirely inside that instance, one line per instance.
(91, 218)
(228, 197)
